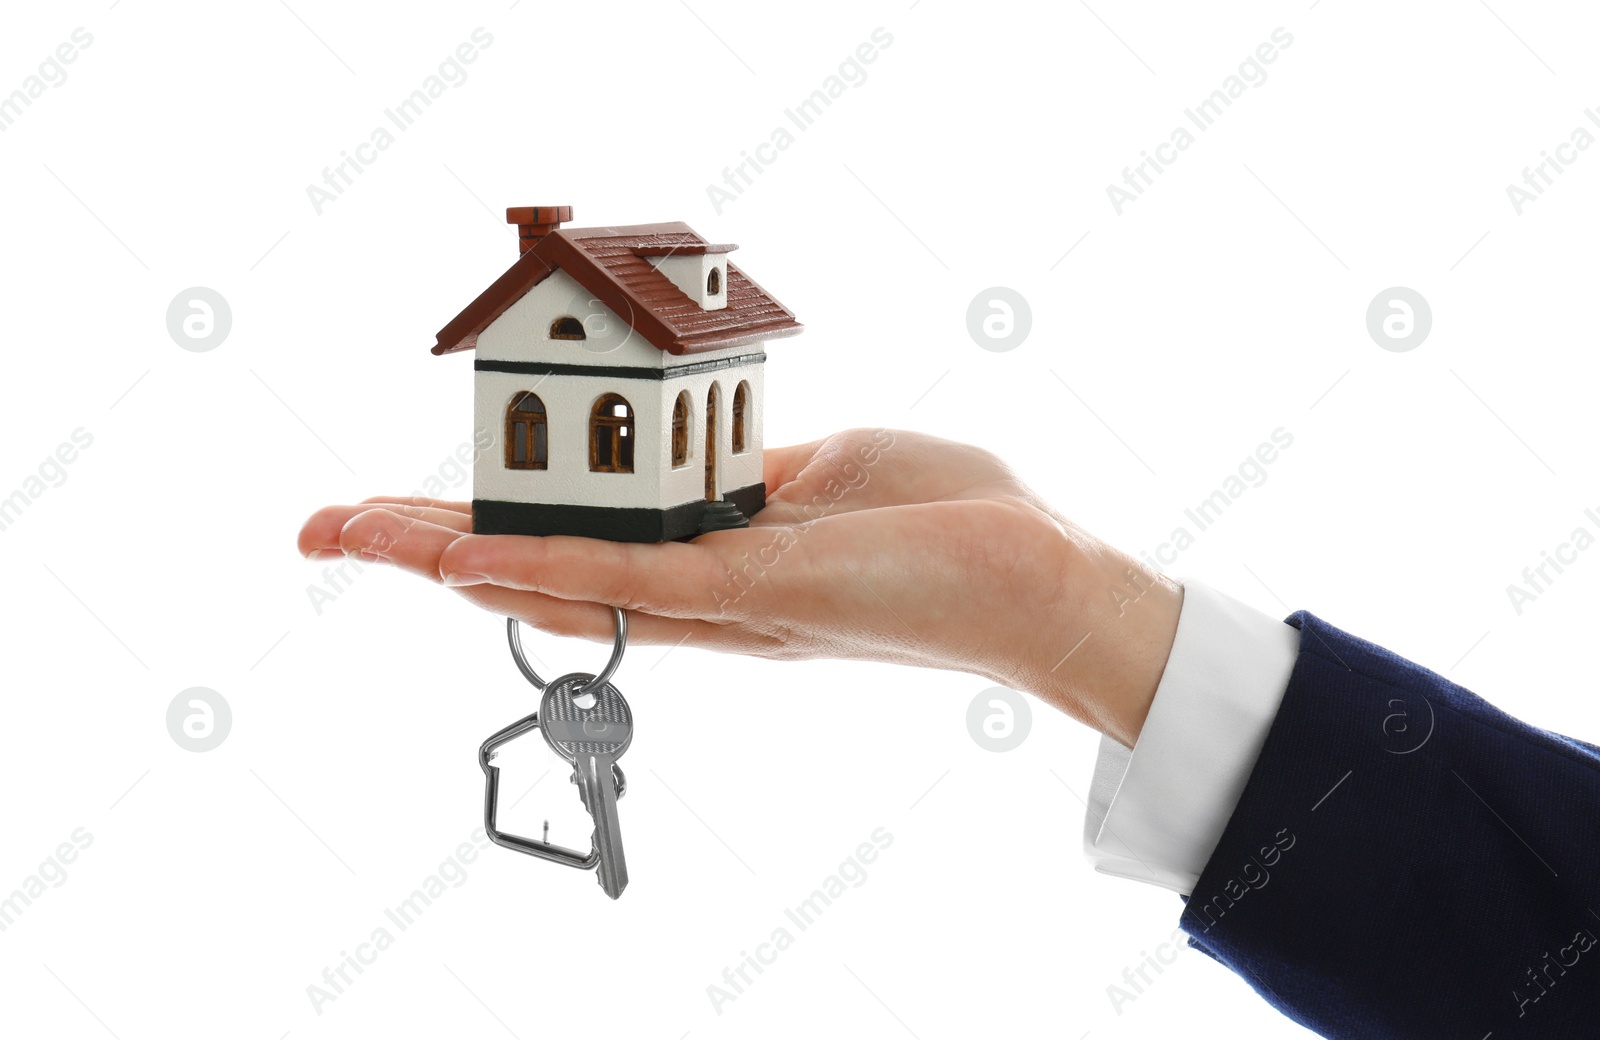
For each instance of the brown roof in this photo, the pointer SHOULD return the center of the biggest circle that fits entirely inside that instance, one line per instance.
(684, 250)
(609, 262)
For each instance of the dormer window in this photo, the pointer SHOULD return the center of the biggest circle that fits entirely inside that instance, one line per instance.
(567, 327)
(699, 270)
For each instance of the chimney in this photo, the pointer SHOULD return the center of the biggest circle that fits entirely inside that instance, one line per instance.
(535, 222)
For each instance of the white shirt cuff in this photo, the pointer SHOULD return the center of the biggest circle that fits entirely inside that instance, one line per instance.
(1156, 812)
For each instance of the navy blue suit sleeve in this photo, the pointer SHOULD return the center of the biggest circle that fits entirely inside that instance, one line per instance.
(1408, 861)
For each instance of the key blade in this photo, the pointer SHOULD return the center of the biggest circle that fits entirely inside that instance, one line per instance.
(600, 796)
(592, 735)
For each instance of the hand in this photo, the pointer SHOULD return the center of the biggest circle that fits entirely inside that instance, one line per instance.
(873, 545)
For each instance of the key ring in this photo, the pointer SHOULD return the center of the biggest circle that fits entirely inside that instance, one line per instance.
(619, 643)
(486, 754)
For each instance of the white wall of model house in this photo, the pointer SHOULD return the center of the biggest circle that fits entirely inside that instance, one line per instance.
(522, 333)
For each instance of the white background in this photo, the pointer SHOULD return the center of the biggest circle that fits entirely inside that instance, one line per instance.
(1226, 302)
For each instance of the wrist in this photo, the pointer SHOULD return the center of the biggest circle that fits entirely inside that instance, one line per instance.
(1100, 645)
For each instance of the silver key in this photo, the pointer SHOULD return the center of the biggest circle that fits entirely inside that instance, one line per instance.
(592, 738)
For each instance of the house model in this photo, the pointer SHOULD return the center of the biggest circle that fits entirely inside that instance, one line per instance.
(618, 383)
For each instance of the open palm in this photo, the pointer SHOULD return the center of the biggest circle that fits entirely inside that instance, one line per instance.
(874, 545)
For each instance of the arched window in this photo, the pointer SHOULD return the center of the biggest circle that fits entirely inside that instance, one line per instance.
(680, 430)
(527, 433)
(714, 282)
(611, 435)
(712, 394)
(567, 327)
(741, 408)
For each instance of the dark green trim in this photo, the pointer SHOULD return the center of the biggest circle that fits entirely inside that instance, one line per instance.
(547, 368)
(749, 499)
(613, 523)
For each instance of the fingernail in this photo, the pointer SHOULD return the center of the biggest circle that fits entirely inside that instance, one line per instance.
(324, 554)
(463, 578)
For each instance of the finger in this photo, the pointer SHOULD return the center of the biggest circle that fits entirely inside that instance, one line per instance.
(413, 500)
(671, 579)
(780, 468)
(844, 472)
(867, 469)
(781, 465)
(593, 621)
(442, 517)
(322, 532)
(409, 543)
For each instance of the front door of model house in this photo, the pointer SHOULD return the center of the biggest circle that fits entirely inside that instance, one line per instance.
(711, 444)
